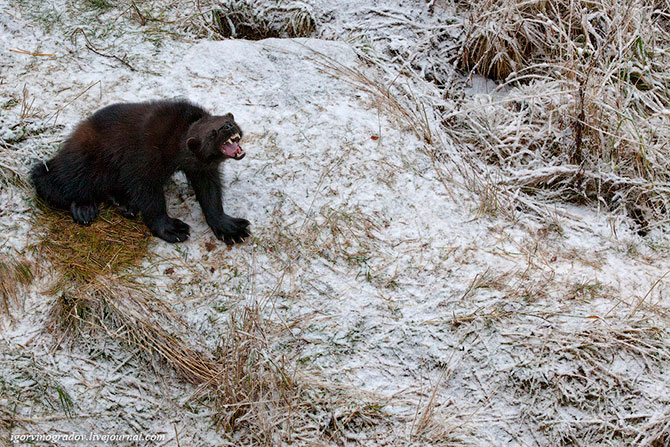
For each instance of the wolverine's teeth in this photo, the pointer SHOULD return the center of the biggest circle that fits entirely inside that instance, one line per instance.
(235, 137)
(228, 141)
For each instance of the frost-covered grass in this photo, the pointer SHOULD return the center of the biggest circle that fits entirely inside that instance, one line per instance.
(26, 381)
(255, 20)
(581, 109)
(574, 109)
(396, 289)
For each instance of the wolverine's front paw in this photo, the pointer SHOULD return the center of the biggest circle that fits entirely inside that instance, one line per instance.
(231, 230)
(170, 230)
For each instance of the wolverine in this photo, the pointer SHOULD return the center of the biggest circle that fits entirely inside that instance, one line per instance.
(125, 154)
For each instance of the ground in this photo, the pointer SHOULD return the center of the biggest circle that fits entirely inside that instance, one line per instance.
(404, 311)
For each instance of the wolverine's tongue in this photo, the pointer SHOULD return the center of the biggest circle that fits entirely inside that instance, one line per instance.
(233, 150)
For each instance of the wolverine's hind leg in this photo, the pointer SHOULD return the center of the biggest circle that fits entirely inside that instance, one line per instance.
(48, 186)
(61, 192)
(83, 213)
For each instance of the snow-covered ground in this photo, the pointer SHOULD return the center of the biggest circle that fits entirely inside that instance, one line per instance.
(469, 329)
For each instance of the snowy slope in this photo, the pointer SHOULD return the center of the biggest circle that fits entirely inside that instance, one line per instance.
(389, 279)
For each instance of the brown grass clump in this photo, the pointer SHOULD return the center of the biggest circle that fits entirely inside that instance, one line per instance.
(506, 36)
(583, 112)
(116, 308)
(262, 389)
(15, 274)
(111, 244)
(256, 20)
(249, 381)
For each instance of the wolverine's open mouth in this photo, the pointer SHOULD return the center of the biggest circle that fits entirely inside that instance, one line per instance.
(232, 148)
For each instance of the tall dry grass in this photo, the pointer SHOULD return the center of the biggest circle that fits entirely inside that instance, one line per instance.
(15, 275)
(255, 20)
(582, 110)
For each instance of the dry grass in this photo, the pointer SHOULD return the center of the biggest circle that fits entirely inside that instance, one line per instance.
(255, 20)
(15, 275)
(507, 36)
(98, 290)
(29, 393)
(585, 384)
(409, 112)
(259, 389)
(585, 112)
(15, 155)
(113, 306)
(256, 395)
(79, 253)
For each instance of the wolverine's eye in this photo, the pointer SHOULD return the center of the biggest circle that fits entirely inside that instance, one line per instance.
(227, 127)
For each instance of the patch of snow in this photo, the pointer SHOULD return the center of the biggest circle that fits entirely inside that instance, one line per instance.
(393, 281)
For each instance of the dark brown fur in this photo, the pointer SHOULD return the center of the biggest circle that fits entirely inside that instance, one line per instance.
(126, 153)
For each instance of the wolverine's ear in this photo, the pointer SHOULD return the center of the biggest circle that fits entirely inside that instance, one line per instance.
(230, 115)
(193, 144)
